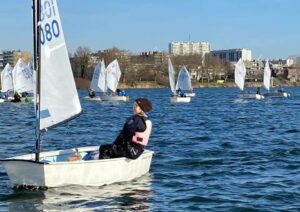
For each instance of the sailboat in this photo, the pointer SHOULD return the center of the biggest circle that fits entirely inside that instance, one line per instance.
(268, 79)
(23, 79)
(239, 78)
(113, 75)
(6, 81)
(98, 83)
(174, 97)
(52, 108)
(184, 82)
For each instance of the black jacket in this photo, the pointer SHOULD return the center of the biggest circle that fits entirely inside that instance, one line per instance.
(133, 124)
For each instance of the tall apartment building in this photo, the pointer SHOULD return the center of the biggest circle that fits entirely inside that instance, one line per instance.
(189, 48)
(233, 55)
(12, 57)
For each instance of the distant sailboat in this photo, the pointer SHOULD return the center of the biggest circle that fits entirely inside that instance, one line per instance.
(98, 83)
(239, 78)
(6, 81)
(113, 75)
(267, 84)
(184, 82)
(54, 107)
(23, 77)
(174, 97)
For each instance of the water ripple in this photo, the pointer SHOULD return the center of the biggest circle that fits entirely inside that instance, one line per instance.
(216, 153)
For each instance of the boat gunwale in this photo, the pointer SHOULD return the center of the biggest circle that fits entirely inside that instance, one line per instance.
(146, 153)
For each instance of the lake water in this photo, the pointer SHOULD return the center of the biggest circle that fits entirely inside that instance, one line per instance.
(216, 153)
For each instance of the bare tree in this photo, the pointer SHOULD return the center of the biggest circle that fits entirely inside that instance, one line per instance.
(81, 61)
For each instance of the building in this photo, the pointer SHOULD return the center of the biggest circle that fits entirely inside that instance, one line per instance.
(233, 55)
(295, 59)
(154, 57)
(12, 57)
(189, 48)
(280, 64)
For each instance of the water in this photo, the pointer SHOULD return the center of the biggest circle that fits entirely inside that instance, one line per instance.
(216, 153)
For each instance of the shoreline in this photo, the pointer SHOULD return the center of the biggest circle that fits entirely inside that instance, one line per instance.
(84, 84)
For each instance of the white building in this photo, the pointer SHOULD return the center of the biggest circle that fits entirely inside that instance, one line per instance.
(189, 48)
(233, 55)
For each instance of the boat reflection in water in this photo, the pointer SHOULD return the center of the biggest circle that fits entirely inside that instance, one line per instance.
(126, 196)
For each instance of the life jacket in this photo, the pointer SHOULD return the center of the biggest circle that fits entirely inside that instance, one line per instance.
(143, 137)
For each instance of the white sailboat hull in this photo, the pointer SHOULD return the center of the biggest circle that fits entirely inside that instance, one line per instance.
(96, 98)
(190, 94)
(175, 99)
(277, 95)
(251, 96)
(24, 171)
(115, 98)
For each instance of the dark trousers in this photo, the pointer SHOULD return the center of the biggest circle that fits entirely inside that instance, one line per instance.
(126, 149)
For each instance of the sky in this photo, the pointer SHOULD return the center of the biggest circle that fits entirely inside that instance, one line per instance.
(269, 28)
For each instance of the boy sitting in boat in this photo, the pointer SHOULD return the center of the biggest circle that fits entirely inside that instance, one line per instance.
(91, 93)
(121, 92)
(180, 93)
(134, 136)
(258, 90)
(17, 97)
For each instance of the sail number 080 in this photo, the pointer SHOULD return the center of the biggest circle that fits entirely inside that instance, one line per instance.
(49, 31)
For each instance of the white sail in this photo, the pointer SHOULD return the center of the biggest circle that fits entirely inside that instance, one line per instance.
(98, 83)
(113, 74)
(171, 76)
(22, 77)
(102, 78)
(96, 75)
(267, 76)
(7, 79)
(184, 80)
(30, 66)
(239, 74)
(58, 95)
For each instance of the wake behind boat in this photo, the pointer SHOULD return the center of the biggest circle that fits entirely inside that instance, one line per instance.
(57, 168)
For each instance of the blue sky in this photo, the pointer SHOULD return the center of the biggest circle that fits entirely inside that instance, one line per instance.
(270, 28)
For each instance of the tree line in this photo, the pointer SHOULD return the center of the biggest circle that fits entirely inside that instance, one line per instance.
(151, 66)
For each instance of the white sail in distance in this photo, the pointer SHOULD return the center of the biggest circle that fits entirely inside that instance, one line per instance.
(113, 74)
(171, 76)
(267, 76)
(96, 76)
(102, 84)
(98, 83)
(239, 74)
(59, 99)
(22, 77)
(7, 78)
(184, 80)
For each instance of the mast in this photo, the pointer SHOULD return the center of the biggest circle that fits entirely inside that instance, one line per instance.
(37, 66)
